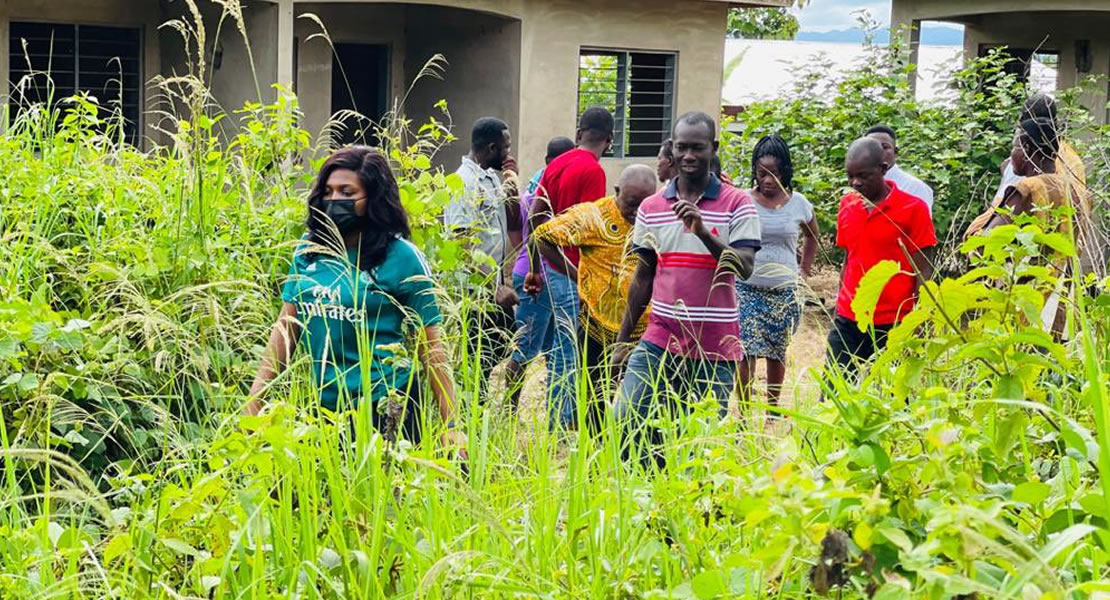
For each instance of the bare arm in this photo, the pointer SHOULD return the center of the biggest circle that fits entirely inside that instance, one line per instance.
(514, 226)
(1017, 202)
(433, 355)
(639, 295)
(811, 233)
(745, 260)
(923, 266)
(437, 364)
(283, 338)
(540, 214)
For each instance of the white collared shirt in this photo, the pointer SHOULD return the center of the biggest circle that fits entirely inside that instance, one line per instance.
(480, 207)
(911, 185)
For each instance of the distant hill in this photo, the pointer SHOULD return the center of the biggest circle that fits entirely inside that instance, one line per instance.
(933, 35)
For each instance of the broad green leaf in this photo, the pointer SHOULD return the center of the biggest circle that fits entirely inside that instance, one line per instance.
(117, 547)
(180, 547)
(1058, 242)
(881, 458)
(1032, 492)
(454, 182)
(862, 535)
(897, 537)
(891, 591)
(710, 584)
(870, 289)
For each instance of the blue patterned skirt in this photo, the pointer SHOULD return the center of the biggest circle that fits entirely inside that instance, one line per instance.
(769, 317)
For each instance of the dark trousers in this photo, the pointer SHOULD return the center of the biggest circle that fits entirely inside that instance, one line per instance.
(601, 381)
(849, 347)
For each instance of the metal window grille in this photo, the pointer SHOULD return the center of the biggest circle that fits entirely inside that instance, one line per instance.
(49, 62)
(638, 88)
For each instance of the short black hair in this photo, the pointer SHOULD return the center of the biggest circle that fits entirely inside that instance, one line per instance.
(1040, 135)
(597, 122)
(697, 118)
(883, 129)
(1039, 106)
(667, 149)
(775, 147)
(486, 131)
(559, 146)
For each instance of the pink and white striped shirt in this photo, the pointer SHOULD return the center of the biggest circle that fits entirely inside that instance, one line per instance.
(693, 302)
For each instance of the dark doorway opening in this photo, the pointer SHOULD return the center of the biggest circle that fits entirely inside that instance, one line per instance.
(1036, 68)
(359, 83)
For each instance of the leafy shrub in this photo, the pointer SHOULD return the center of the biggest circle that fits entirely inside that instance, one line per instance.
(956, 148)
(138, 288)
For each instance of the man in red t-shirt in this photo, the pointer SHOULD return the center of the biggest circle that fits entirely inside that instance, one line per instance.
(877, 222)
(575, 177)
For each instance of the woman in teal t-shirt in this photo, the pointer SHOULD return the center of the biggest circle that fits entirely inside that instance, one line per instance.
(357, 290)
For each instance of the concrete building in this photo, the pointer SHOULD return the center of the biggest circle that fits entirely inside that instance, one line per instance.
(1068, 34)
(531, 62)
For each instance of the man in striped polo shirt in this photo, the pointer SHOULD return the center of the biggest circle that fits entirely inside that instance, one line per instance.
(693, 239)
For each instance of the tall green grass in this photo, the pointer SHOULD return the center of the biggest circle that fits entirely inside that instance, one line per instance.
(138, 289)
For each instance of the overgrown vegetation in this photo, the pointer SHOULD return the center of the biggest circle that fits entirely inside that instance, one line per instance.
(138, 289)
(956, 145)
(769, 23)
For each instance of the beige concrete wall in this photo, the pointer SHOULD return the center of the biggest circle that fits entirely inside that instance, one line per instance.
(483, 74)
(516, 59)
(344, 22)
(144, 14)
(551, 33)
(1051, 26)
(555, 30)
(1051, 32)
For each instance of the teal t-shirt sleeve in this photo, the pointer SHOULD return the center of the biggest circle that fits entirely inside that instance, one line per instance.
(415, 288)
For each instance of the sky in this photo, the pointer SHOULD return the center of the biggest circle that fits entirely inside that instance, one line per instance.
(828, 15)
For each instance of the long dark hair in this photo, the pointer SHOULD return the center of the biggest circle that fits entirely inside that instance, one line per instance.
(385, 218)
(775, 147)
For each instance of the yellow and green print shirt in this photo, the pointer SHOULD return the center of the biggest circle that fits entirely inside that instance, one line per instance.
(606, 266)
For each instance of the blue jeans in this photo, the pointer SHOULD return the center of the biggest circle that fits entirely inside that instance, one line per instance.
(655, 378)
(552, 316)
(534, 331)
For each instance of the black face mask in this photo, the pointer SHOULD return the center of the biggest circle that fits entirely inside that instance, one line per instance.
(342, 213)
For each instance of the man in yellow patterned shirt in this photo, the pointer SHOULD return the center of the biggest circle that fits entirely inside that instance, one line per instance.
(601, 230)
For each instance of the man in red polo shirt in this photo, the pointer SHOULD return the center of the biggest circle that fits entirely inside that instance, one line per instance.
(575, 177)
(877, 222)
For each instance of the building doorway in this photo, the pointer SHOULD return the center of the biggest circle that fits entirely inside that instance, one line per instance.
(359, 84)
(1039, 69)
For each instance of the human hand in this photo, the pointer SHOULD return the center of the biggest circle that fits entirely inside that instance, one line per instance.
(690, 215)
(533, 283)
(506, 297)
(619, 358)
(509, 166)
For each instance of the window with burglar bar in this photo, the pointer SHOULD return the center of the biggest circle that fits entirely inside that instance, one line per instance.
(49, 62)
(638, 88)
